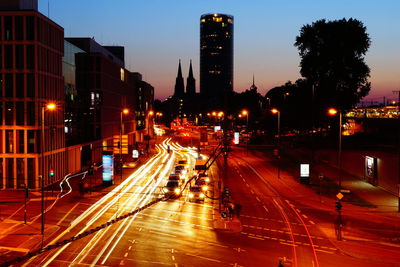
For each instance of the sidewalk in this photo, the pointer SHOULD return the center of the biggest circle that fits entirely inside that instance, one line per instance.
(372, 221)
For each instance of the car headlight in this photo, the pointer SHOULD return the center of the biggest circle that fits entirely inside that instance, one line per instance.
(191, 195)
(201, 195)
(166, 190)
(207, 180)
(177, 191)
(205, 188)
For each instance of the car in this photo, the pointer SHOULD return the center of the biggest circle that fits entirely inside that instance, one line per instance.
(202, 183)
(196, 194)
(180, 170)
(182, 162)
(204, 175)
(172, 189)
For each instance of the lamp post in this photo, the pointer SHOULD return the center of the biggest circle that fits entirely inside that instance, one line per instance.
(121, 130)
(48, 106)
(333, 112)
(149, 114)
(276, 111)
(246, 113)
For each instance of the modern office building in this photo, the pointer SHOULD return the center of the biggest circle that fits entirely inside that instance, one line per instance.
(31, 50)
(216, 57)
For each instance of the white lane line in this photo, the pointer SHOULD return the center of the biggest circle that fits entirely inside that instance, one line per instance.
(130, 247)
(247, 185)
(173, 257)
(298, 210)
(258, 199)
(176, 264)
(265, 208)
(65, 216)
(312, 222)
(159, 233)
(201, 257)
(304, 216)
(126, 255)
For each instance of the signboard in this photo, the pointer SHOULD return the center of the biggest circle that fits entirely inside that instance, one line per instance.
(135, 154)
(124, 144)
(217, 128)
(370, 167)
(236, 138)
(108, 166)
(304, 170)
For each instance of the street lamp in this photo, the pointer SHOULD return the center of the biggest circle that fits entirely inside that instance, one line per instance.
(50, 107)
(121, 132)
(246, 113)
(276, 111)
(333, 112)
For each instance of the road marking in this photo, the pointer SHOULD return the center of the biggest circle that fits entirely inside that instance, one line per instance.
(265, 208)
(126, 255)
(25, 250)
(288, 244)
(312, 222)
(130, 247)
(325, 251)
(122, 262)
(159, 233)
(65, 216)
(201, 257)
(173, 257)
(304, 216)
(258, 199)
(298, 210)
(172, 250)
(176, 264)
(250, 236)
(247, 185)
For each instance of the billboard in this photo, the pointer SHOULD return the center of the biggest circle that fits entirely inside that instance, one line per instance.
(370, 167)
(108, 166)
(236, 138)
(304, 170)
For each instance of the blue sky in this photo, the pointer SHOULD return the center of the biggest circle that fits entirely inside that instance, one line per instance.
(157, 33)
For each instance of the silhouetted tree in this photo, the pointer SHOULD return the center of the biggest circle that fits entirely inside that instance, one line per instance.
(332, 60)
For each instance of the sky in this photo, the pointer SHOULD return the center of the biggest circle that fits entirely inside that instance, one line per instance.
(157, 33)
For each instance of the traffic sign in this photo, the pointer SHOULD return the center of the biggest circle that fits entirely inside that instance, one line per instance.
(339, 196)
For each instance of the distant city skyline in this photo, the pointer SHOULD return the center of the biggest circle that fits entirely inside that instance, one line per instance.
(157, 33)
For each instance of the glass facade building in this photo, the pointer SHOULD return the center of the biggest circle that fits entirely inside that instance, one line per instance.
(216, 57)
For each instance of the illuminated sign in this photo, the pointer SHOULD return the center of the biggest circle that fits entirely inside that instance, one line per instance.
(217, 128)
(108, 166)
(135, 154)
(236, 138)
(304, 170)
(370, 167)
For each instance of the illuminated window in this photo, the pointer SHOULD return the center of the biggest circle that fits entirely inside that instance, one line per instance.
(122, 74)
(229, 20)
(203, 20)
(217, 19)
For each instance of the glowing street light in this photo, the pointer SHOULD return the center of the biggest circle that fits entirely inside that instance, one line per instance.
(246, 113)
(276, 111)
(49, 106)
(333, 112)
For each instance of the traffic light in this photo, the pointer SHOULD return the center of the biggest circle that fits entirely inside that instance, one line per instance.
(51, 173)
(338, 205)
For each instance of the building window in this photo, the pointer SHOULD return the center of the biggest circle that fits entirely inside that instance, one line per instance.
(122, 74)
(30, 32)
(20, 113)
(10, 173)
(30, 60)
(21, 173)
(1, 55)
(1, 172)
(8, 60)
(19, 85)
(7, 28)
(31, 141)
(1, 113)
(30, 106)
(19, 30)
(9, 113)
(1, 144)
(31, 173)
(8, 85)
(20, 141)
(19, 56)
(9, 141)
(30, 85)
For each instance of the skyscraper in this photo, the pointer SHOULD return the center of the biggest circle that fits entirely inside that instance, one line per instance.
(190, 83)
(216, 57)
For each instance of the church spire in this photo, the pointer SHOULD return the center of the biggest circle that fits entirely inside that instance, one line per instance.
(190, 82)
(253, 86)
(179, 86)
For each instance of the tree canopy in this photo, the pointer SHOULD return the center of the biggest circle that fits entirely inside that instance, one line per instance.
(332, 61)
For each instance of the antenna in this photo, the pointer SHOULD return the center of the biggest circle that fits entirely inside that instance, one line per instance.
(48, 8)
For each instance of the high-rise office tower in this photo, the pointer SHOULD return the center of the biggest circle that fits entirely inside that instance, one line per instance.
(216, 57)
(190, 82)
